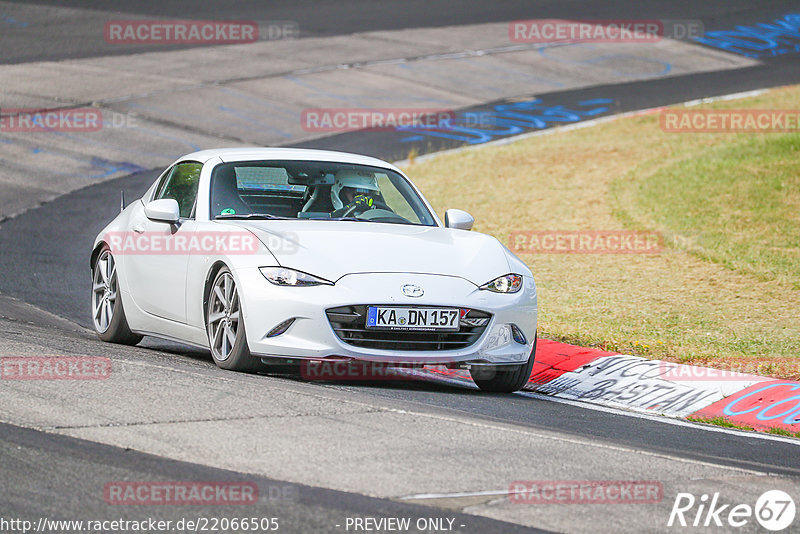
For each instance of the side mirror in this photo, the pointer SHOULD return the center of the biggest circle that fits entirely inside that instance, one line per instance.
(165, 210)
(458, 219)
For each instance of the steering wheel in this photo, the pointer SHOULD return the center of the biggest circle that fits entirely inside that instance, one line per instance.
(375, 214)
(375, 205)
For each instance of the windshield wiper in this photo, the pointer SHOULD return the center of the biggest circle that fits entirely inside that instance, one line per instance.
(265, 216)
(342, 219)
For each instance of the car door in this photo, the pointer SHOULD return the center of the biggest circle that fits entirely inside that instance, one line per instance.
(157, 267)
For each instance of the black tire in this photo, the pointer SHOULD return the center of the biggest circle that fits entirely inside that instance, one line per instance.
(504, 379)
(106, 298)
(235, 356)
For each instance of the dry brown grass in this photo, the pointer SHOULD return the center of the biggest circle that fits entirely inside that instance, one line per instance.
(676, 305)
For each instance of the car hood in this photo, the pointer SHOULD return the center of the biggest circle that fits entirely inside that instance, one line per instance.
(332, 249)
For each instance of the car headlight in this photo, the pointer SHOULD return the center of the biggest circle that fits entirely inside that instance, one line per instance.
(508, 283)
(281, 276)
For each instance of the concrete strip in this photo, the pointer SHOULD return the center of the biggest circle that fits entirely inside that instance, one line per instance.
(563, 66)
(450, 39)
(39, 166)
(255, 93)
(81, 81)
(268, 111)
(16, 198)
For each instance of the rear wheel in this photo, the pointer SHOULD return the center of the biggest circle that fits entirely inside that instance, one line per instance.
(108, 316)
(225, 326)
(504, 379)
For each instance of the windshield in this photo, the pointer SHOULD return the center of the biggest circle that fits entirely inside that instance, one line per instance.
(314, 190)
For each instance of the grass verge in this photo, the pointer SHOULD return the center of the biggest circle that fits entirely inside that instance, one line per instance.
(726, 287)
(725, 423)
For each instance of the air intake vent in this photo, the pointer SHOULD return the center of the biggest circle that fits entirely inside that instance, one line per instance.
(349, 324)
(281, 328)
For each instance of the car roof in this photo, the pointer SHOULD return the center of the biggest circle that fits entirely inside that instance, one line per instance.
(294, 154)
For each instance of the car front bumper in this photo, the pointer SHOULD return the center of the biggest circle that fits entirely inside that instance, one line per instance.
(311, 335)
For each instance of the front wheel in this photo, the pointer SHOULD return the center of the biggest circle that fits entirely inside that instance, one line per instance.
(108, 316)
(505, 379)
(225, 326)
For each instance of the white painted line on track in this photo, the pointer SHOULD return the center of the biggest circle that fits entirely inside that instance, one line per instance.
(488, 493)
(581, 125)
(507, 427)
(732, 96)
(662, 419)
(670, 420)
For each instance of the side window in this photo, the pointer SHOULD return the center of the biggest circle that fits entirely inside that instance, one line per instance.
(395, 199)
(181, 184)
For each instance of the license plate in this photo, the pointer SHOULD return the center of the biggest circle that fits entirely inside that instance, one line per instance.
(413, 318)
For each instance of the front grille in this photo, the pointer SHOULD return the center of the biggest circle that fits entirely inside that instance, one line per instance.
(349, 324)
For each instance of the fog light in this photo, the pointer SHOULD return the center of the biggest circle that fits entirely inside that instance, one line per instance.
(281, 328)
(517, 334)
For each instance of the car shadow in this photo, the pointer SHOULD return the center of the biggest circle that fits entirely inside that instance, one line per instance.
(431, 382)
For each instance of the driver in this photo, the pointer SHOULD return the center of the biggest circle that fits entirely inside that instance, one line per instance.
(353, 192)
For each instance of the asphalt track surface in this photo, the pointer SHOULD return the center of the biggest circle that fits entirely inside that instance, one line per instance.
(45, 250)
(42, 469)
(630, 96)
(72, 221)
(76, 37)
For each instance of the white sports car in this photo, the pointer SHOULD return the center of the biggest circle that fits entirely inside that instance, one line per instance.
(274, 255)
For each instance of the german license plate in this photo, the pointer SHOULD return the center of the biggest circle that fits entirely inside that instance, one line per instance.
(391, 318)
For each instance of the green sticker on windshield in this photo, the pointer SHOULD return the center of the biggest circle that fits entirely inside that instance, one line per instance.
(228, 211)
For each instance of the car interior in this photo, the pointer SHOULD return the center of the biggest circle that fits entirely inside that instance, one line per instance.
(283, 190)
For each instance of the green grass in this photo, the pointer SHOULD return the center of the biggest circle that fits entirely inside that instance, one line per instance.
(725, 423)
(783, 432)
(726, 287)
(719, 421)
(739, 203)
